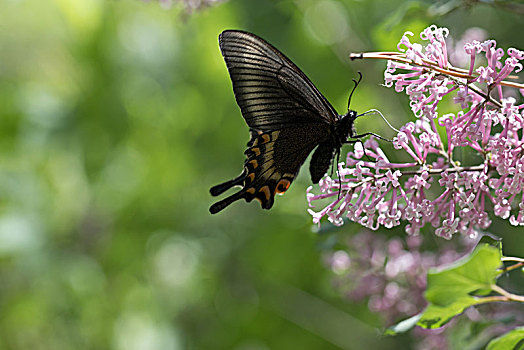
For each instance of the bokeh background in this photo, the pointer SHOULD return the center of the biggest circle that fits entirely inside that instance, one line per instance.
(116, 117)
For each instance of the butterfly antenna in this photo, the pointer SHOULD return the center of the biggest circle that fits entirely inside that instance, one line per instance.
(376, 111)
(356, 82)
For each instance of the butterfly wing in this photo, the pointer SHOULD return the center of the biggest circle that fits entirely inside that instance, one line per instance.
(271, 91)
(288, 117)
(321, 159)
(273, 160)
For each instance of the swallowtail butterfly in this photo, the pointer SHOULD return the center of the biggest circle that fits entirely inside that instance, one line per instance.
(287, 116)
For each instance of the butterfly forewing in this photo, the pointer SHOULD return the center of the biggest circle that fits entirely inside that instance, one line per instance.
(270, 89)
(288, 117)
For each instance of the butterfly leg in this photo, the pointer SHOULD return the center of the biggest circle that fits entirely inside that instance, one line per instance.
(221, 188)
(367, 134)
(359, 141)
(338, 172)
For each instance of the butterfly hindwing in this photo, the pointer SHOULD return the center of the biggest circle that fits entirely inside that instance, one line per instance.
(265, 176)
(273, 159)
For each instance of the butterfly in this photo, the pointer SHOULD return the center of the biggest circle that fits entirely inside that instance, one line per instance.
(287, 116)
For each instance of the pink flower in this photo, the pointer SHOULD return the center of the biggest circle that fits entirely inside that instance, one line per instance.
(463, 97)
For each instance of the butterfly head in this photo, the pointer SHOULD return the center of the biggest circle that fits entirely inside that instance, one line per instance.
(345, 126)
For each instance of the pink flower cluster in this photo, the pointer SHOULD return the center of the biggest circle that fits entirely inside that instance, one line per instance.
(390, 275)
(388, 272)
(461, 167)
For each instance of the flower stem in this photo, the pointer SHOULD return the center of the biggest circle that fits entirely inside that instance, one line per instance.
(449, 170)
(512, 267)
(400, 57)
(511, 258)
(508, 295)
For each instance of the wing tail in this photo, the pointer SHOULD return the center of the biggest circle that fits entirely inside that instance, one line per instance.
(223, 187)
(220, 205)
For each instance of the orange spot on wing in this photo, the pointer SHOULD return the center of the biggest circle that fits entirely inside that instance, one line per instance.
(265, 191)
(265, 138)
(282, 186)
(254, 163)
(256, 150)
(250, 190)
(251, 177)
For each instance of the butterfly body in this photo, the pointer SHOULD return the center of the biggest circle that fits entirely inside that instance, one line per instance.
(287, 116)
(339, 134)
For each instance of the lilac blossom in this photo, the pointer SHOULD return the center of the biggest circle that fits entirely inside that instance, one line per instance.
(434, 188)
(391, 273)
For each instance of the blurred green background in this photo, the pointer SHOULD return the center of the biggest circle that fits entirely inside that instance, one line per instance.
(116, 117)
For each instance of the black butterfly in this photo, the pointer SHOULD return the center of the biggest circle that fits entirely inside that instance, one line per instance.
(287, 116)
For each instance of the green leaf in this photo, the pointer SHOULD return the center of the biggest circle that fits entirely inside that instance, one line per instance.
(452, 290)
(512, 340)
(403, 326)
(474, 273)
(492, 240)
(436, 316)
